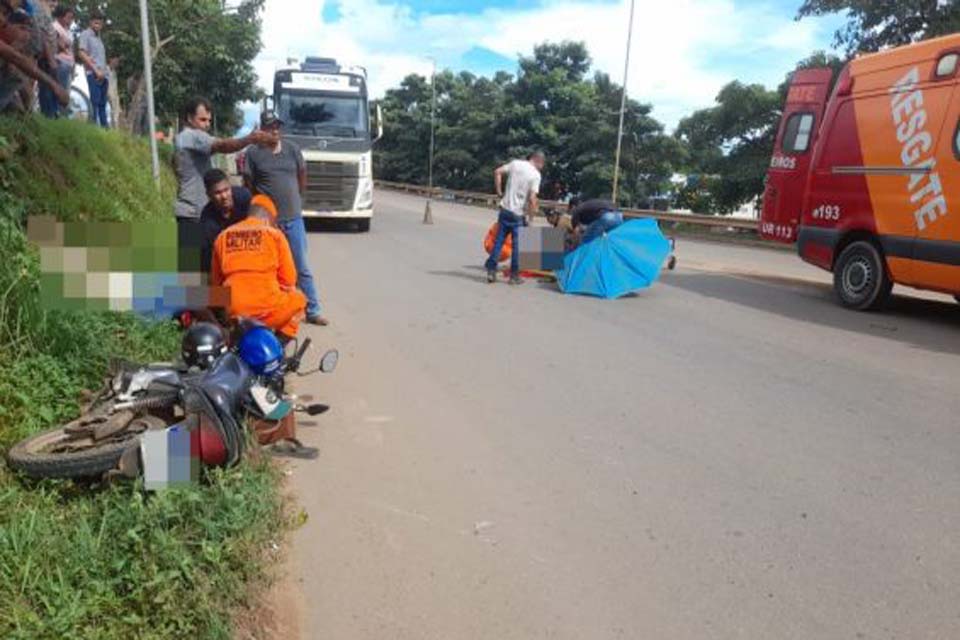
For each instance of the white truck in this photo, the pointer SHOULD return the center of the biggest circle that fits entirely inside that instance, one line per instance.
(326, 111)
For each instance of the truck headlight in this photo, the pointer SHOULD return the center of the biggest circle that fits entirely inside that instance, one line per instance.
(364, 194)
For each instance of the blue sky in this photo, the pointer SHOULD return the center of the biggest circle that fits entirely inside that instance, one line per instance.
(684, 50)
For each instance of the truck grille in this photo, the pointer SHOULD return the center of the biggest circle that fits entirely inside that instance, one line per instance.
(331, 186)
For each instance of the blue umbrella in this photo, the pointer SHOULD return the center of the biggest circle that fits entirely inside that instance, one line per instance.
(626, 259)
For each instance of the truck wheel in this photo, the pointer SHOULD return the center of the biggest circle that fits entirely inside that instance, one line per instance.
(860, 277)
(363, 225)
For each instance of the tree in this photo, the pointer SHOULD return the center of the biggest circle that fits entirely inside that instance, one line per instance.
(199, 47)
(876, 24)
(729, 145)
(550, 105)
(733, 140)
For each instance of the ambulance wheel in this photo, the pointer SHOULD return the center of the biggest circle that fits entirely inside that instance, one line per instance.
(860, 277)
(363, 225)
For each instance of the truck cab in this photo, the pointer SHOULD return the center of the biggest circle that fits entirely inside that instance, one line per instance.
(326, 111)
(864, 177)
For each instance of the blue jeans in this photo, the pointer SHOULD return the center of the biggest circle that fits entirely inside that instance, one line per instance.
(98, 100)
(608, 221)
(48, 101)
(296, 234)
(509, 223)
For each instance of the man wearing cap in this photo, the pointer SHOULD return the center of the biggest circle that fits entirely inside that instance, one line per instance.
(15, 65)
(277, 169)
(252, 259)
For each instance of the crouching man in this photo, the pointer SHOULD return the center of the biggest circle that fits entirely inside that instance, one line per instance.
(253, 260)
(594, 218)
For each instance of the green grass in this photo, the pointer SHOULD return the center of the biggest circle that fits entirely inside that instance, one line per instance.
(77, 561)
(116, 563)
(78, 172)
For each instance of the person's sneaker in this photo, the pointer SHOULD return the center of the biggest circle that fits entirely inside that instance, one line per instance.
(491, 277)
(318, 320)
(516, 280)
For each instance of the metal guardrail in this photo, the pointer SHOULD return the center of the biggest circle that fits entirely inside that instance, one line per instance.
(695, 219)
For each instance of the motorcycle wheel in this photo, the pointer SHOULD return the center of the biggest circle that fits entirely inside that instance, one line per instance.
(55, 453)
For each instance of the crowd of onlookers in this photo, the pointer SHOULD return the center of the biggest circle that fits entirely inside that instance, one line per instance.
(39, 52)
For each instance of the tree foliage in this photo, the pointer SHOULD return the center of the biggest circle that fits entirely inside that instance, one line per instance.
(875, 24)
(730, 144)
(200, 47)
(552, 104)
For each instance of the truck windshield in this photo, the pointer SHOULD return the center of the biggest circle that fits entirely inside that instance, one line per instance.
(323, 115)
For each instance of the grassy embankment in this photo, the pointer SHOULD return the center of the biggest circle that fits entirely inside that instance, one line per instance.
(90, 562)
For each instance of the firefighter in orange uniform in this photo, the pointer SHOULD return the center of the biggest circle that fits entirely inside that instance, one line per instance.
(253, 260)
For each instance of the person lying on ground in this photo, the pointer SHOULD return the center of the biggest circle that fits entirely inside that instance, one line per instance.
(15, 65)
(252, 258)
(563, 222)
(227, 205)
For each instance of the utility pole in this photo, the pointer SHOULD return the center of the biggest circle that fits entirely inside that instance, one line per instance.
(623, 105)
(148, 78)
(433, 117)
(428, 213)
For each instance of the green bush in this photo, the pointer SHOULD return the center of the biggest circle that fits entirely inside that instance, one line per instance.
(77, 561)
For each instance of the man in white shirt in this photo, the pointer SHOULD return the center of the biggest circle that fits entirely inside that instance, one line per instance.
(518, 201)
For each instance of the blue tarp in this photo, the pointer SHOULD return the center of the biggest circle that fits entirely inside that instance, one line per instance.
(624, 260)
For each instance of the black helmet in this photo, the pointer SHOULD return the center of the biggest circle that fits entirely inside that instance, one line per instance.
(203, 343)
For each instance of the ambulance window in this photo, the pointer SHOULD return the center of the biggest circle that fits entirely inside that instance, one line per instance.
(796, 137)
(947, 65)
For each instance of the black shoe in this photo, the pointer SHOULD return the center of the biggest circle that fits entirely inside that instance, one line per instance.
(515, 280)
(491, 277)
(318, 320)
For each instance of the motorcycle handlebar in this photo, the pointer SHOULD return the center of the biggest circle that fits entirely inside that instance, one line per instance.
(294, 363)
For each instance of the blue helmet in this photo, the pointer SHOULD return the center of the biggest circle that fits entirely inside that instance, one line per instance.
(261, 350)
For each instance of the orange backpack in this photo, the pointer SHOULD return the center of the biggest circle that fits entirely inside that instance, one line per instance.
(491, 238)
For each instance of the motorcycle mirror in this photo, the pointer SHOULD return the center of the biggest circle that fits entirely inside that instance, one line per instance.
(315, 409)
(329, 361)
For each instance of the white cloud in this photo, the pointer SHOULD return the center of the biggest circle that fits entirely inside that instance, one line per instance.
(673, 63)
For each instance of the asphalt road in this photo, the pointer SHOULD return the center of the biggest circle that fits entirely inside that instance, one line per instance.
(728, 454)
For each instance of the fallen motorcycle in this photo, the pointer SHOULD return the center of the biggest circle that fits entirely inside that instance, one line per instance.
(211, 401)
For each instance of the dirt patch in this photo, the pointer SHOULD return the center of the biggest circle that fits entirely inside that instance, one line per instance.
(274, 613)
(276, 600)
